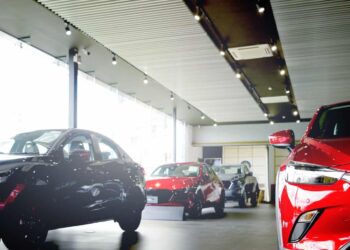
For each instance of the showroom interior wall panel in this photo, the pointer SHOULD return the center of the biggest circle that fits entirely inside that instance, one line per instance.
(33, 89)
(257, 155)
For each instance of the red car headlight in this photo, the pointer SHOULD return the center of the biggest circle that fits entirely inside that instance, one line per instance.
(304, 173)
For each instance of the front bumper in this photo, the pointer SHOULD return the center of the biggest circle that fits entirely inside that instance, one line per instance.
(166, 197)
(330, 230)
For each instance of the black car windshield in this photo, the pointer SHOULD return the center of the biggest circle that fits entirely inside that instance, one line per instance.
(175, 170)
(36, 143)
(332, 123)
(229, 169)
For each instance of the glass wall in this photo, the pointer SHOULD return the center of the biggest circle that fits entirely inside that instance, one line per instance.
(34, 95)
(33, 89)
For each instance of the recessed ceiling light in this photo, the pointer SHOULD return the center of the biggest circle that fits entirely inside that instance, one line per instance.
(172, 96)
(222, 52)
(238, 75)
(68, 31)
(145, 80)
(283, 117)
(197, 15)
(274, 48)
(298, 121)
(215, 125)
(265, 114)
(261, 9)
(287, 91)
(295, 113)
(269, 88)
(114, 60)
(271, 123)
(203, 117)
(282, 72)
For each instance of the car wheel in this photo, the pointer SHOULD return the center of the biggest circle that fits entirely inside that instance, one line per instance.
(196, 211)
(131, 220)
(220, 206)
(242, 202)
(25, 233)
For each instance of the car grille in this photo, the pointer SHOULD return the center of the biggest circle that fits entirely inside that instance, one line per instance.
(227, 184)
(162, 194)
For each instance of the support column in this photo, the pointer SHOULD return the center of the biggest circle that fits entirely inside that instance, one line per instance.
(73, 87)
(174, 130)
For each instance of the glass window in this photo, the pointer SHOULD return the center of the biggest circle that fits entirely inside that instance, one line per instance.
(331, 123)
(177, 171)
(107, 150)
(81, 144)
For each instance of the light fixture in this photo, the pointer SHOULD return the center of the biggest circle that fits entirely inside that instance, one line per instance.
(172, 96)
(197, 15)
(269, 88)
(222, 52)
(295, 113)
(274, 48)
(271, 123)
(238, 75)
(203, 117)
(68, 31)
(298, 121)
(145, 80)
(215, 124)
(282, 72)
(287, 91)
(265, 114)
(114, 60)
(283, 117)
(261, 9)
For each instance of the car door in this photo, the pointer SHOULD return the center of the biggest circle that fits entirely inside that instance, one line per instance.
(72, 180)
(207, 185)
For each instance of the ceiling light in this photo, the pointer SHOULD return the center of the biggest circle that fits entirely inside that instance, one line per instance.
(271, 123)
(282, 72)
(238, 75)
(261, 9)
(68, 31)
(298, 121)
(287, 91)
(114, 60)
(295, 113)
(274, 99)
(222, 52)
(172, 96)
(265, 114)
(283, 117)
(203, 117)
(197, 16)
(269, 88)
(215, 125)
(145, 80)
(274, 48)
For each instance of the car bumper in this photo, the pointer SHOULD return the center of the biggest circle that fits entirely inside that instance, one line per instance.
(331, 228)
(173, 198)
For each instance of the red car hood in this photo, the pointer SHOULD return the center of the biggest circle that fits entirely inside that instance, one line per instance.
(171, 183)
(329, 152)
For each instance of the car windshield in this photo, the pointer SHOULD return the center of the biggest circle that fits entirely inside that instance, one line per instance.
(230, 169)
(36, 143)
(332, 123)
(176, 171)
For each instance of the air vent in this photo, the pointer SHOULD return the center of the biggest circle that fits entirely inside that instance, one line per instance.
(274, 99)
(251, 52)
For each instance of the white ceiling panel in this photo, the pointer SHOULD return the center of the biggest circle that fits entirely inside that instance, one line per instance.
(162, 38)
(315, 37)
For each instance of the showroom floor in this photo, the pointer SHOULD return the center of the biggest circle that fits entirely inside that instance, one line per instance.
(251, 228)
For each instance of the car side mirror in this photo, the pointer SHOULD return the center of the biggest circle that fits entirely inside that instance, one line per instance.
(79, 156)
(283, 139)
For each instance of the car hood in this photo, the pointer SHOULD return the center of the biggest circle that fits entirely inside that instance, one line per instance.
(8, 161)
(327, 152)
(171, 183)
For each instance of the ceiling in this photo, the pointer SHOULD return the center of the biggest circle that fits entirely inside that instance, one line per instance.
(162, 39)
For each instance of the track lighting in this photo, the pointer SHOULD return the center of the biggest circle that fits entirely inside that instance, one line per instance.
(172, 96)
(238, 75)
(295, 112)
(203, 117)
(145, 80)
(114, 60)
(282, 72)
(68, 31)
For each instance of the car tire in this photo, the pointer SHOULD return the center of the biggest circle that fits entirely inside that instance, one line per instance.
(25, 233)
(220, 206)
(196, 211)
(131, 220)
(242, 202)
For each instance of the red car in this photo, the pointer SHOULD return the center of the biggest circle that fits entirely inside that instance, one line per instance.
(191, 185)
(313, 186)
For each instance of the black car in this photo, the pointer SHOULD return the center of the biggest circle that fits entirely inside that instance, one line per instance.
(240, 184)
(51, 179)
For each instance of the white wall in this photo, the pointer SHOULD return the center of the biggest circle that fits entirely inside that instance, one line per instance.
(191, 153)
(226, 134)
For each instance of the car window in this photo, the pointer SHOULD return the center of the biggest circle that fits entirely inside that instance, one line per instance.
(333, 122)
(79, 143)
(176, 171)
(107, 149)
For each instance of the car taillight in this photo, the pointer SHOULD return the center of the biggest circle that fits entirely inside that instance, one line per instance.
(14, 194)
(304, 173)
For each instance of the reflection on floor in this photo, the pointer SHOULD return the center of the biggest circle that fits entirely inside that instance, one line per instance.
(250, 228)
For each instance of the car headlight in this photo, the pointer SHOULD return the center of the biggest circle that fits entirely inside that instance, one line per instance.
(304, 173)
